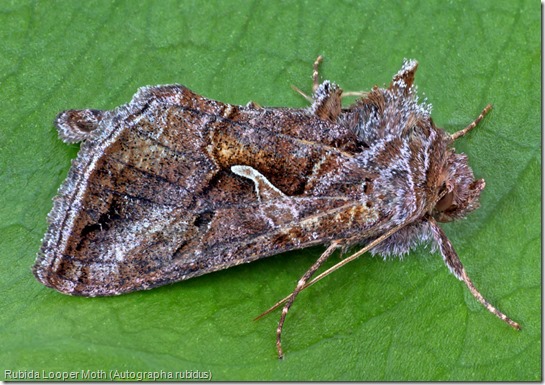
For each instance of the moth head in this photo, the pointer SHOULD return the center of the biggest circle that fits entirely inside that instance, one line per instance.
(458, 190)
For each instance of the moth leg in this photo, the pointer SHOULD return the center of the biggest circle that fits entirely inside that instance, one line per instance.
(298, 90)
(253, 105)
(337, 266)
(316, 73)
(455, 266)
(472, 125)
(361, 94)
(77, 125)
(300, 286)
(327, 97)
(315, 80)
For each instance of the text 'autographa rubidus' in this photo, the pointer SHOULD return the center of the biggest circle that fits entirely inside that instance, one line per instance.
(174, 185)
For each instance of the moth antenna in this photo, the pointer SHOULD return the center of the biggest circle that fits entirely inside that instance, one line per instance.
(368, 247)
(455, 266)
(472, 125)
(300, 286)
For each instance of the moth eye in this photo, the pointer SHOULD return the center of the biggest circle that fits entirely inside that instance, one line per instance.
(445, 202)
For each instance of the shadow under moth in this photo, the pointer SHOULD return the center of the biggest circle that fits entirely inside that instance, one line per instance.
(174, 185)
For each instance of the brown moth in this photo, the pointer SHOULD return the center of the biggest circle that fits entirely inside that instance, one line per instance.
(174, 185)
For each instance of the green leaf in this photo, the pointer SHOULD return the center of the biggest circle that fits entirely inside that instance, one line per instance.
(375, 320)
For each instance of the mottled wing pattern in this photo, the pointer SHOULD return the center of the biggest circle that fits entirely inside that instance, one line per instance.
(154, 195)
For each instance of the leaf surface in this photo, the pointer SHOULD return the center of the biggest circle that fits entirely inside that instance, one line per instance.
(375, 320)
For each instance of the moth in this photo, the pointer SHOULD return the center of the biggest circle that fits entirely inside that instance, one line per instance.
(174, 185)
